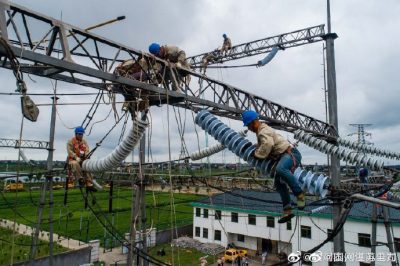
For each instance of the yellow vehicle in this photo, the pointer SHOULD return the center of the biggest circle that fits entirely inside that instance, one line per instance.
(231, 255)
(242, 252)
(71, 184)
(57, 186)
(11, 184)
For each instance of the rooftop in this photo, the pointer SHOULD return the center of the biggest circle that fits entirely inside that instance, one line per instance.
(269, 203)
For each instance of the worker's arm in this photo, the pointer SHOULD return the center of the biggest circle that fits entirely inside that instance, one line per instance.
(265, 143)
(70, 150)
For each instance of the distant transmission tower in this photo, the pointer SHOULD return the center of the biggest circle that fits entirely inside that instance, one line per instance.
(361, 133)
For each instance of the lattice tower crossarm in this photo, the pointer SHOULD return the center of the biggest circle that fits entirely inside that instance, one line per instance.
(43, 60)
(282, 41)
(310, 182)
(24, 144)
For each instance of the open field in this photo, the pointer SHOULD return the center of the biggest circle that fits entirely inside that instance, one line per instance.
(21, 247)
(78, 223)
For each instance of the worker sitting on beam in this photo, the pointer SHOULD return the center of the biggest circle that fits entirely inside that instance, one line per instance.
(78, 150)
(285, 158)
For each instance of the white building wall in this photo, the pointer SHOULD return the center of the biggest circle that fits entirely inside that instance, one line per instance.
(230, 229)
(280, 233)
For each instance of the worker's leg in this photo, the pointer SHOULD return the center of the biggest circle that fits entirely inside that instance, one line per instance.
(89, 182)
(283, 170)
(76, 169)
(88, 179)
(283, 191)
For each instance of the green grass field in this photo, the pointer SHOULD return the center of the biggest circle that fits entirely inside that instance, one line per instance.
(76, 222)
(21, 247)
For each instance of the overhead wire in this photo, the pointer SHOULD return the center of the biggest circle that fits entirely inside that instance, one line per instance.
(170, 181)
(47, 94)
(115, 233)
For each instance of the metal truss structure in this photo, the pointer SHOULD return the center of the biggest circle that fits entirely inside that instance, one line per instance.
(282, 41)
(87, 59)
(24, 144)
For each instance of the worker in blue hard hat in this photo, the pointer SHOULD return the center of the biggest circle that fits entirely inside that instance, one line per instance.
(78, 150)
(226, 45)
(285, 157)
(363, 175)
(177, 57)
(170, 53)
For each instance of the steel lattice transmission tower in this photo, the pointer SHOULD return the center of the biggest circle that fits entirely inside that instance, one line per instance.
(361, 133)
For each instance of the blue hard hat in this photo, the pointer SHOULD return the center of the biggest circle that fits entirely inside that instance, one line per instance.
(249, 116)
(224, 35)
(79, 130)
(363, 172)
(154, 48)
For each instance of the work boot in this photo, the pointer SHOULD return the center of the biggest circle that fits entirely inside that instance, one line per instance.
(287, 215)
(301, 201)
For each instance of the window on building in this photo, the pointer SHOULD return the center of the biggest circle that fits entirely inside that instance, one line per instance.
(270, 221)
(329, 233)
(205, 213)
(197, 231)
(364, 240)
(217, 235)
(240, 238)
(289, 225)
(397, 244)
(234, 217)
(252, 219)
(305, 231)
(205, 232)
(217, 215)
(198, 212)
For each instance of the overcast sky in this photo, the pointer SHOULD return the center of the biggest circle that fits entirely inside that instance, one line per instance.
(366, 55)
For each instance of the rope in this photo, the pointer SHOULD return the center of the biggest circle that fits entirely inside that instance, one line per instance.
(236, 66)
(170, 179)
(98, 144)
(95, 105)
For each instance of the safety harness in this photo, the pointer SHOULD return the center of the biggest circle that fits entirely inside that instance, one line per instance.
(79, 148)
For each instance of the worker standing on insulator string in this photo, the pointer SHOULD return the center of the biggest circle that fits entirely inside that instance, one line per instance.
(285, 159)
(174, 55)
(226, 45)
(78, 150)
